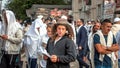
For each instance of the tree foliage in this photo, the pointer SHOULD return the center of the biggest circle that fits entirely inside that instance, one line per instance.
(19, 6)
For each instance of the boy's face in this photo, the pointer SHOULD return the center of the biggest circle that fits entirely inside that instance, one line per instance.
(49, 32)
(61, 30)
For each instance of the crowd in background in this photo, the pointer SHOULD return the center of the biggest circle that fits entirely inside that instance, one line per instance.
(58, 42)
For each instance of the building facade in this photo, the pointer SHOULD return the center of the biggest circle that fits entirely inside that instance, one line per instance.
(117, 12)
(87, 9)
(95, 9)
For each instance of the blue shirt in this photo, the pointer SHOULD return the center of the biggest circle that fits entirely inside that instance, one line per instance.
(106, 60)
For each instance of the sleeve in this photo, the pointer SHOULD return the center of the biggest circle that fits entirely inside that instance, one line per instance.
(96, 39)
(83, 38)
(70, 53)
(84, 41)
(18, 37)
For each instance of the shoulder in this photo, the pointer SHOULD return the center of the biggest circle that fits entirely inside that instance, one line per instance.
(68, 40)
(96, 39)
(50, 39)
(19, 31)
(96, 36)
(69, 43)
(82, 29)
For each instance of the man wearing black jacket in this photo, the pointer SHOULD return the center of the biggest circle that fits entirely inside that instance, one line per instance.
(82, 42)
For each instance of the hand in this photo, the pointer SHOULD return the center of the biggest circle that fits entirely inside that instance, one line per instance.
(84, 59)
(5, 37)
(79, 48)
(53, 58)
(45, 57)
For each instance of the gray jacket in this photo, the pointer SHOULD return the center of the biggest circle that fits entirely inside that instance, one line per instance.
(13, 42)
(65, 51)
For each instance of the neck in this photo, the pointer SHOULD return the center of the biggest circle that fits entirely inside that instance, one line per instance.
(58, 37)
(105, 33)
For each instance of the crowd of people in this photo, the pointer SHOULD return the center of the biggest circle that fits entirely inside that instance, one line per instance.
(59, 42)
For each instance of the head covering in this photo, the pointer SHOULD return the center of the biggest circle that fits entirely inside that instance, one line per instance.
(12, 25)
(33, 38)
(38, 23)
(64, 17)
(33, 31)
(116, 19)
(10, 28)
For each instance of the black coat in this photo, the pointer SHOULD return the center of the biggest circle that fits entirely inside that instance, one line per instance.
(82, 40)
(65, 51)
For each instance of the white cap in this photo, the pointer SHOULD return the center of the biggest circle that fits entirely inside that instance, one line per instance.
(63, 17)
(116, 19)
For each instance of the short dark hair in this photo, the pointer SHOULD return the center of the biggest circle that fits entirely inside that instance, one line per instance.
(82, 20)
(48, 18)
(106, 21)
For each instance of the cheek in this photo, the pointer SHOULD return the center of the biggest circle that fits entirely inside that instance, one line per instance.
(48, 33)
(64, 32)
(58, 31)
(61, 32)
(109, 29)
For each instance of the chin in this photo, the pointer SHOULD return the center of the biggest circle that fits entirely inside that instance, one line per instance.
(60, 35)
